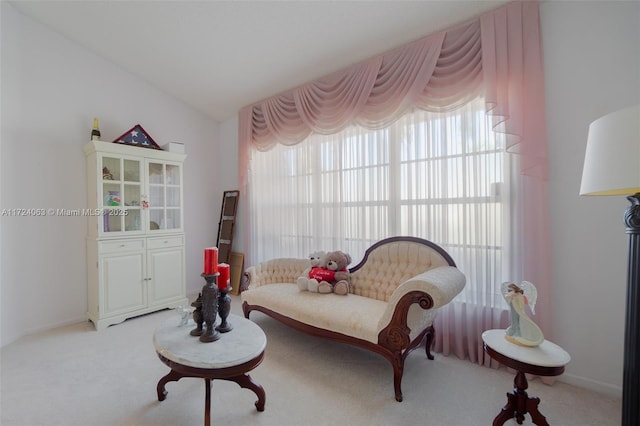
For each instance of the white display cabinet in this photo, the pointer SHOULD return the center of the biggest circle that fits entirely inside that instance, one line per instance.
(135, 236)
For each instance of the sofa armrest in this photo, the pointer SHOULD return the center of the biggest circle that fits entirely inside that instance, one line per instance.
(441, 285)
(282, 270)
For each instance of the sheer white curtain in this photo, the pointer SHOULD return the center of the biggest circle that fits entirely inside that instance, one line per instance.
(445, 177)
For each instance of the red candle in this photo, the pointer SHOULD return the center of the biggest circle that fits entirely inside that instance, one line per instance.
(210, 260)
(223, 278)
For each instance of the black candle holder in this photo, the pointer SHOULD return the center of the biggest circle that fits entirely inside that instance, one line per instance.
(210, 307)
(224, 308)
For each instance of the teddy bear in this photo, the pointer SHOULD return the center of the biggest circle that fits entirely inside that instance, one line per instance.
(306, 282)
(335, 278)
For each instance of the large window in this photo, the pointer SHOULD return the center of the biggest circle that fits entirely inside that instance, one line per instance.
(443, 177)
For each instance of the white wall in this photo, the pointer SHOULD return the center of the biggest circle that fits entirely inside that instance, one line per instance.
(51, 90)
(229, 178)
(592, 67)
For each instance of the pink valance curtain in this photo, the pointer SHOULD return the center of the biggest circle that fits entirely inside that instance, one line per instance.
(497, 55)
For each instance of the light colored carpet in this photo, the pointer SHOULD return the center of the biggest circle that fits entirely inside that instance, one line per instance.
(74, 375)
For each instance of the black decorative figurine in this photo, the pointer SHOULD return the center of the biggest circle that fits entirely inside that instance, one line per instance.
(210, 308)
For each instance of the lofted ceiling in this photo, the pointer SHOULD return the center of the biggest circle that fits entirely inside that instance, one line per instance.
(218, 56)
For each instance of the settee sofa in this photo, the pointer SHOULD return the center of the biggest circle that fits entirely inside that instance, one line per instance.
(394, 295)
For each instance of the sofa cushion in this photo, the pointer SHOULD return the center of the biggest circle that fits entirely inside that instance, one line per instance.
(351, 315)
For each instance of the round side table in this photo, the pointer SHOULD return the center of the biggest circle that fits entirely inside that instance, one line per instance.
(229, 358)
(547, 359)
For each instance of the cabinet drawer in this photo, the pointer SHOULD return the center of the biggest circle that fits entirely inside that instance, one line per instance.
(120, 245)
(160, 242)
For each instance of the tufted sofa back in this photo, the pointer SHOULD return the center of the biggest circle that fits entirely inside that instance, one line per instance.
(385, 265)
(392, 261)
(282, 270)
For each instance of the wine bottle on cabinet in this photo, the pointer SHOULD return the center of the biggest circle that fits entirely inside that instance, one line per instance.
(95, 132)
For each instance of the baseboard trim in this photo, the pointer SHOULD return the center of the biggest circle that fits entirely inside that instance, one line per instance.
(47, 327)
(593, 385)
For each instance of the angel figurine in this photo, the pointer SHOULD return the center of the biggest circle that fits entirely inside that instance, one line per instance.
(522, 331)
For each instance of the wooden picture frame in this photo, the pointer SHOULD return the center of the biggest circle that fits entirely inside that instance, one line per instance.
(226, 225)
(236, 263)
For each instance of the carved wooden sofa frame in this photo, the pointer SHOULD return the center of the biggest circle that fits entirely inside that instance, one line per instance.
(427, 278)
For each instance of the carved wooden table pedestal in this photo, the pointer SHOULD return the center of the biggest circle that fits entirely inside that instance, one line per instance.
(548, 359)
(229, 358)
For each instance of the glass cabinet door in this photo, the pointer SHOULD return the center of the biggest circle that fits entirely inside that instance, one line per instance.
(164, 198)
(121, 195)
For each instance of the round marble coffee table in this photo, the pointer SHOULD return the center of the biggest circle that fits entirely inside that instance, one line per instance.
(548, 359)
(229, 358)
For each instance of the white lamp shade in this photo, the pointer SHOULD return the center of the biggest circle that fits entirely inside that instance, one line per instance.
(612, 159)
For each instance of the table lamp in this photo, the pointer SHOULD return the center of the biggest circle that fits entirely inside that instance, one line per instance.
(612, 167)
